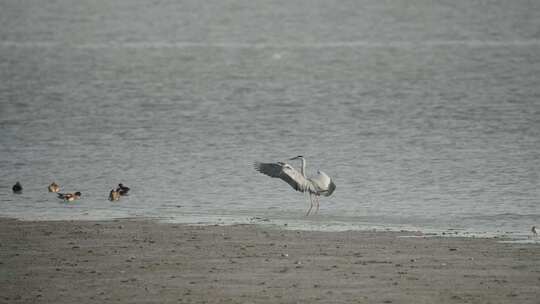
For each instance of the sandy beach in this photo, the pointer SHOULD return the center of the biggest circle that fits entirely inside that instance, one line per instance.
(139, 261)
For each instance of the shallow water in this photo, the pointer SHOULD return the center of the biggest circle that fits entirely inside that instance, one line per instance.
(427, 115)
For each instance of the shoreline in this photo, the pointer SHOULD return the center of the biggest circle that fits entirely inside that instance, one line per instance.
(146, 261)
(518, 237)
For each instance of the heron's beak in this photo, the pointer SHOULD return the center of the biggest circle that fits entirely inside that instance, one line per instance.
(296, 157)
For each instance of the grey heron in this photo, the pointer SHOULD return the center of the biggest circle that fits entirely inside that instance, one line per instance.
(318, 185)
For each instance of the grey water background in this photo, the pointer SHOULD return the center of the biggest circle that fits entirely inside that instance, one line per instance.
(425, 113)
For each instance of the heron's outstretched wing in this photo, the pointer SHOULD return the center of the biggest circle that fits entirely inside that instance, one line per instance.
(287, 173)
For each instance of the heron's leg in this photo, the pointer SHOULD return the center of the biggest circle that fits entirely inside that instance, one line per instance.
(317, 200)
(311, 204)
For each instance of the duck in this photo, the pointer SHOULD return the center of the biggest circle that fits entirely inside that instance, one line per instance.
(17, 188)
(53, 187)
(114, 195)
(122, 190)
(70, 196)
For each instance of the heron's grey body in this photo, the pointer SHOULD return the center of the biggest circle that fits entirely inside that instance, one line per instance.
(321, 184)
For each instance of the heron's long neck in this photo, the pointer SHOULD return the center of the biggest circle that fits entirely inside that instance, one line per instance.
(303, 169)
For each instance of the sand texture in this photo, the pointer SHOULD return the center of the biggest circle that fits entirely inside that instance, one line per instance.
(138, 261)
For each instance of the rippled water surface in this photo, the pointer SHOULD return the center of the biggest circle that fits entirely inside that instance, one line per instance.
(426, 113)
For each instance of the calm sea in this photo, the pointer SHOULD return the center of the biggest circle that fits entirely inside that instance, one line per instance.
(425, 113)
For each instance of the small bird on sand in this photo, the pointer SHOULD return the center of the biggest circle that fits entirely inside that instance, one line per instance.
(17, 188)
(122, 190)
(53, 187)
(69, 196)
(534, 231)
(114, 195)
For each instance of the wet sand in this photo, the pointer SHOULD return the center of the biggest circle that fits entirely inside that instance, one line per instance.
(138, 261)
